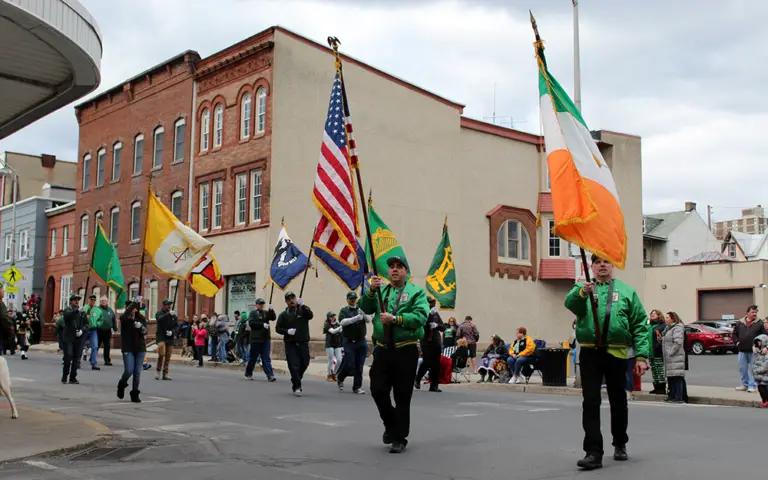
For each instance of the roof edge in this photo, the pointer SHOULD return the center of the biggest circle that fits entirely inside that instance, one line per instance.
(490, 128)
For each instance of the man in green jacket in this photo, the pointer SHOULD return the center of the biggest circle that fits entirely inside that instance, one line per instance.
(293, 324)
(397, 329)
(94, 324)
(107, 326)
(622, 321)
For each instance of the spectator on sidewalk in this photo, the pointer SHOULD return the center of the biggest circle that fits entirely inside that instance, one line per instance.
(167, 323)
(760, 368)
(451, 331)
(520, 354)
(200, 332)
(657, 324)
(673, 344)
(106, 327)
(744, 333)
(184, 335)
(133, 333)
(242, 337)
(496, 349)
(469, 331)
(333, 349)
(222, 332)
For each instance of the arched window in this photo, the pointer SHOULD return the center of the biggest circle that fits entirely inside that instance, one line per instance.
(101, 158)
(86, 171)
(138, 154)
(218, 125)
(261, 113)
(84, 227)
(117, 157)
(179, 132)
(114, 223)
(205, 128)
(135, 221)
(513, 243)
(157, 156)
(245, 116)
(176, 198)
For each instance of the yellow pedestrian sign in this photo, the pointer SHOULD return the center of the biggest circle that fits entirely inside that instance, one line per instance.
(11, 289)
(12, 275)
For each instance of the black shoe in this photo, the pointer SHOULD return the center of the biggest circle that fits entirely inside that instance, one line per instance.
(590, 462)
(386, 438)
(620, 454)
(417, 384)
(397, 447)
(121, 390)
(435, 390)
(73, 381)
(271, 379)
(64, 379)
(135, 396)
(94, 367)
(107, 364)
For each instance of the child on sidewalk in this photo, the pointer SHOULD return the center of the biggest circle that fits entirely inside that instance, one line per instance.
(760, 368)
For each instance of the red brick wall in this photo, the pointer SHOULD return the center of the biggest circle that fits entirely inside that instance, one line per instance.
(159, 98)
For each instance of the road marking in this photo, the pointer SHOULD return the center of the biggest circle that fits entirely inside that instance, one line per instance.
(678, 405)
(314, 418)
(41, 465)
(22, 379)
(534, 410)
(143, 402)
(208, 430)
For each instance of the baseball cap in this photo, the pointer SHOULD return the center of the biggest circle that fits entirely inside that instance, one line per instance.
(401, 260)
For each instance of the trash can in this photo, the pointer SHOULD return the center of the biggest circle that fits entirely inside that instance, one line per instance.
(554, 366)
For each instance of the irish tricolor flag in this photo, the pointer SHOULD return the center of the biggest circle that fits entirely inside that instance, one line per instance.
(584, 197)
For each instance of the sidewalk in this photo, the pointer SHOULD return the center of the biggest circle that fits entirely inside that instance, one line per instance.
(38, 432)
(697, 394)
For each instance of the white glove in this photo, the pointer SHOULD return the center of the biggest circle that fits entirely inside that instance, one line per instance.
(269, 307)
(300, 302)
(168, 333)
(291, 331)
(247, 327)
(266, 326)
(434, 310)
(368, 318)
(137, 324)
(334, 331)
(78, 333)
(433, 325)
(173, 312)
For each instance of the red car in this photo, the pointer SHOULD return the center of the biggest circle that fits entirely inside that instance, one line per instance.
(701, 338)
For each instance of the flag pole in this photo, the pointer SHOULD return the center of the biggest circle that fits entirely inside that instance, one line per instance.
(576, 57)
(93, 252)
(144, 240)
(272, 288)
(306, 268)
(539, 45)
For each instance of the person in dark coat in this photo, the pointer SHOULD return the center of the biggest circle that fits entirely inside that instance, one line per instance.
(260, 339)
(431, 348)
(293, 324)
(133, 333)
(72, 338)
(354, 330)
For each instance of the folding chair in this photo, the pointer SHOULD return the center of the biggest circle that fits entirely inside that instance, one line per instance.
(458, 371)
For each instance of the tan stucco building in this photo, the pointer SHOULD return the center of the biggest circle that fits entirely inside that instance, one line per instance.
(34, 171)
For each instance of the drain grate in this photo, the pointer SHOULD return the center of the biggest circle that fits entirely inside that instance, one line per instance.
(106, 453)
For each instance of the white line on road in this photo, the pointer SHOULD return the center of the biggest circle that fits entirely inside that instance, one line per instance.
(41, 465)
(143, 402)
(534, 410)
(317, 419)
(21, 379)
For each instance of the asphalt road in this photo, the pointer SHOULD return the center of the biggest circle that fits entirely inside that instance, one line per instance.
(713, 370)
(214, 424)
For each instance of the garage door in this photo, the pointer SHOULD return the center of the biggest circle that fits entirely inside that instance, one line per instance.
(713, 304)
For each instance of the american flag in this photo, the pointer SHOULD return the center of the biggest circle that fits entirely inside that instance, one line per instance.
(334, 193)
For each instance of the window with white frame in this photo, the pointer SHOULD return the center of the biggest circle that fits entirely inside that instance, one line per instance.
(114, 224)
(554, 240)
(138, 154)
(218, 125)
(173, 286)
(133, 291)
(101, 159)
(261, 113)
(24, 244)
(676, 255)
(53, 242)
(117, 157)
(8, 247)
(732, 250)
(245, 116)
(644, 227)
(84, 227)
(97, 291)
(87, 171)
(152, 299)
(99, 217)
(513, 242)
(176, 200)
(256, 196)
(65, 241)
(157, 156)
(241, 197)
(179, 133)
(65, 291)
(205, 129)
(205, 200)
(135, 221)
(218, 191)
(111, 298)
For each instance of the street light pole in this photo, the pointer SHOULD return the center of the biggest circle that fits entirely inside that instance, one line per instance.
(5, 170)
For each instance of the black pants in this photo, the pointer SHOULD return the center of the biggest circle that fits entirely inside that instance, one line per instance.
(297, 356)
(677, 389)
(72, 352)
(105, 340)
(199, 354)
(353, 362)
(596, 364)
(431, 355)
(763, 389)
(394, 370)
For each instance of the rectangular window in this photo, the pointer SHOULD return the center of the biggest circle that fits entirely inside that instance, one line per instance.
(218, 190)
(173, 285)
(53, 242)
(256, 196)
(138, 155)
(24, 244)
(157, 158)
(65, 241)
(178, 144)
(8, 247)
(84, 233)
(676, 255)
(114, 223)
(101, 159)
(66, 291)
(554, 241)
(204, 207)
(117, 157)
(241, 193)
(135, 221)
(176, 200)
(87, 172)
(133, 290)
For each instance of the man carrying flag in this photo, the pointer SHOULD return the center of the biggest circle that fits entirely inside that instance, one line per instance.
(610, 319)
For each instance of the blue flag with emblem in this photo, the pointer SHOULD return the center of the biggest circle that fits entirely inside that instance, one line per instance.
(288, 262)
(351, 277)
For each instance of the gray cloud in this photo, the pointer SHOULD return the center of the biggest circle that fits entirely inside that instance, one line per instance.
(685, 75)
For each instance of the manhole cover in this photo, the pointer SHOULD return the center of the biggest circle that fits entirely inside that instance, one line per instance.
(106, 453)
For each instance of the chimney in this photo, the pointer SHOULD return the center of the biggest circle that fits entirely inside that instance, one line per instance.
(48, 161)
(690, 206)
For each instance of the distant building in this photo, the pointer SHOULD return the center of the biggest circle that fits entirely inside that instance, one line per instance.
(752, 221)
(670, 238)
(743, 247)
(34, 172)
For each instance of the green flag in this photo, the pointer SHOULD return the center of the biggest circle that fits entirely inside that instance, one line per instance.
(106, 264)
(441, 277)
(385, 244)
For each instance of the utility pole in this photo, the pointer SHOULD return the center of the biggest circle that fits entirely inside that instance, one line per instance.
(709, 217)
(576, 57)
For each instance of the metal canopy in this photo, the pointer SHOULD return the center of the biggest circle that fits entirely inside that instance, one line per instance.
(50, 55)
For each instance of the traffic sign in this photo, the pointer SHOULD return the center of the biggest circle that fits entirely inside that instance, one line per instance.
(13, 275)
(12, 289)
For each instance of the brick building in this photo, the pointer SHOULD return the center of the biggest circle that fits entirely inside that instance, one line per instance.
(135, 129)
(60, 263)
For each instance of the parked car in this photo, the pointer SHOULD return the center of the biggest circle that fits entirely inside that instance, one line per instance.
(703, 338)
(722, 325)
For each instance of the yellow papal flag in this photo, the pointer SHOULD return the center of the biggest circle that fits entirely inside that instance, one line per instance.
(174, 247)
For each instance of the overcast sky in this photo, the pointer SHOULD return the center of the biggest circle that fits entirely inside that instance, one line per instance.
(679, 73)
